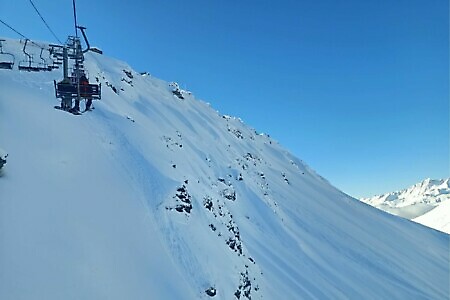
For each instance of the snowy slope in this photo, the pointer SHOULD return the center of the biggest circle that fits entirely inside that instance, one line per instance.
(437, 218)
(424, 202)
(153, 197)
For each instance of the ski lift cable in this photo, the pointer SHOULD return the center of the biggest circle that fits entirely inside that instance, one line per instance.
(16, 31)
(75, 17)
(43, 20)
(4, 23)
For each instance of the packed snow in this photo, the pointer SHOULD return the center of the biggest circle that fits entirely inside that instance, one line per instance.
(156, 196)
(426, 202)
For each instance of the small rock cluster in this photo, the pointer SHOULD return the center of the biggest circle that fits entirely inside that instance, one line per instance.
(183, 202)
(244, 289)
(173, 143)
(177, 91)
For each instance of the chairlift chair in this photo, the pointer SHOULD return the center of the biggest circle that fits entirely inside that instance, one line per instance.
(6, 59)
(44, 66)
(56, 51)
(28, 64)
(56, 55)
(70, 89)
(96, 50)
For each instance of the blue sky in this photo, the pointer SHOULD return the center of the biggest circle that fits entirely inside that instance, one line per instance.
(357, 89)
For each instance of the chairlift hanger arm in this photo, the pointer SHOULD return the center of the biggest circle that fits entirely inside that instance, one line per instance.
(82, 29)
(25, 52)
(4, 52)
(6, 59)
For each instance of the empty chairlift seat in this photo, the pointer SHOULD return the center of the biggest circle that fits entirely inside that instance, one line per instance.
(6, 59)
(30, 65)
(27, 64)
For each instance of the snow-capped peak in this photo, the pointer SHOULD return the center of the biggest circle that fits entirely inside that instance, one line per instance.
(416, 200)
(428, 191)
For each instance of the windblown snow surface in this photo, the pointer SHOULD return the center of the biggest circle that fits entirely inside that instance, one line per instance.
(154, 197)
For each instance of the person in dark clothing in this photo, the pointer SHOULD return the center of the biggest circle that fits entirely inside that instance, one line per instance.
(76, 108)
(84, 91)
(88, 104)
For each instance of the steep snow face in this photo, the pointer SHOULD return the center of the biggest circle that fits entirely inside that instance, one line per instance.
(152, 196)
(426, 197)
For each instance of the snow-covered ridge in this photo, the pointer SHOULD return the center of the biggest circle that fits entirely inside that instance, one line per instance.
(154, 196)
(428, 191)
(417, 201)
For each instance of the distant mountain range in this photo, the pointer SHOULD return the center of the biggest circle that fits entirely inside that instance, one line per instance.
(426, 202)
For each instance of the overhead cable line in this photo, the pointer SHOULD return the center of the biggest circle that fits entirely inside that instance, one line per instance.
(4, 23)
(75, 17)
(43, 20)
(23, 36)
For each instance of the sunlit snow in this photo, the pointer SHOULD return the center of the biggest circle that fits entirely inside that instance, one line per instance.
(153, 197)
